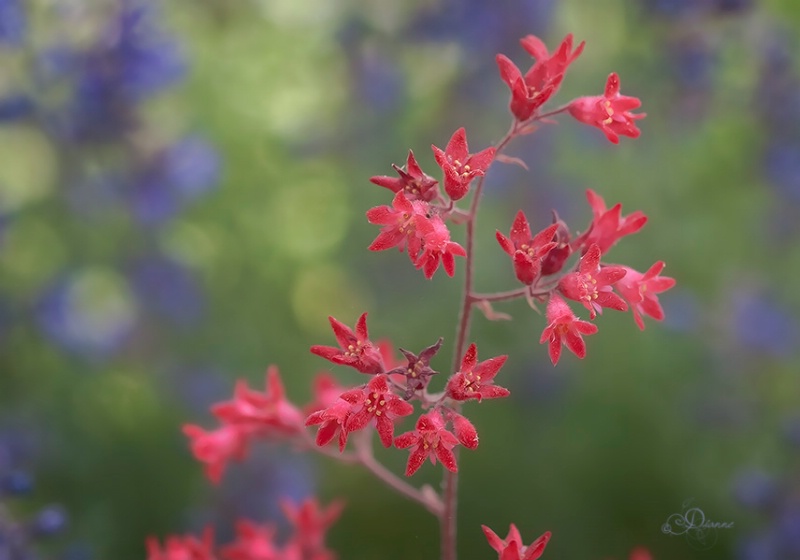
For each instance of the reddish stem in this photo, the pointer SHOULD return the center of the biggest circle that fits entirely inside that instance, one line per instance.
(448, 521)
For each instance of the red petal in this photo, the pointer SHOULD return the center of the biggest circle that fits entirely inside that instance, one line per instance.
(457, 147)
(509, 72)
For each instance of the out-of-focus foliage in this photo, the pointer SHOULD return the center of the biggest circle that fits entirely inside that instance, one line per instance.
(182, 198)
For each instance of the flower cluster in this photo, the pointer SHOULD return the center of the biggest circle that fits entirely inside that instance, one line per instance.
(18, 538)
(309, 524)
(553, 265)
(86, 94)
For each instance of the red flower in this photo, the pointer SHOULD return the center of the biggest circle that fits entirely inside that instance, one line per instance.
(554, 260)
(253, 542)
(476, 380)
(182, 548)
(380, 403)
(640, 554)
(511, 548)
(591, 285)
(527, 252)
(530, 92)
(609, 112)
(326, 390)
(216, 448)
(355, 349)
(608, 226)
(417, 372)
(267, 413)
(459, 166)
(412, 181)
(465, 432)
(431, 439)
(333, 419)
(640, 290)
(400, 225)
(563, 327)
(436, 247)
(311, 522)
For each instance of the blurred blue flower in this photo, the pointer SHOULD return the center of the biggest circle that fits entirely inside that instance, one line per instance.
(13, 23)
(191, 166)
(483, 26)
(133, 60)
(168, 288)
(16, 106)
(788, 529)
(791, 431)
(184, 171)
(782, 168)
(764, 324)
(760, 547)
(733, 6)
(694, 62)
(90, 312)
(675, 8)
(755, 489)
(15, 483)
(49, 521)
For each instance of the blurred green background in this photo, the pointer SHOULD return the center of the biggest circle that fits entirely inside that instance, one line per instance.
(139, 278)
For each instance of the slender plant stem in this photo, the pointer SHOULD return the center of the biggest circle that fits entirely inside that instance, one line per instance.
(448, 521)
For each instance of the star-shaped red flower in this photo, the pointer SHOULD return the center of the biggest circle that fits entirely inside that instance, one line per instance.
(640, 290)
(542, 80)
(430, 438)
(476, 380)
(379, 403)
(415, 184)
(459, 166)
(268, 413)
(511, 548)
(591, 284)
(564, 328)
(610, 112)
(527, 252)
(608, 225)
(355, 348)
(217, 447)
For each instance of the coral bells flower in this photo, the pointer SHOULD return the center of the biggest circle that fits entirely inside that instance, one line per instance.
(437, 247)
(333, 419)
(459, 166)
(511, 548)
(415, 184)
(609, 112)
(417, 373)
(355, 349)
(253, 542)
(311, 522)
(267, 413)
(563, 327)
(465, 432)
(533, 90)
(554, 260)
(400, 224)
(591, 285)
(476, 380)
(640, 554)
(182, 548)
(527, 252)
(216, 448)
(378, 403)
(608, 226)
(431, 439)
(640, 290)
